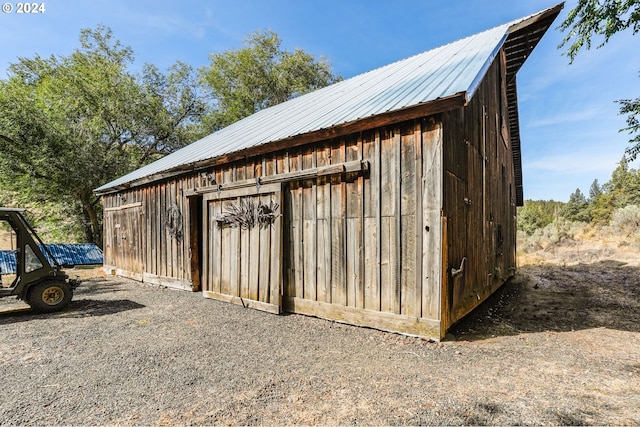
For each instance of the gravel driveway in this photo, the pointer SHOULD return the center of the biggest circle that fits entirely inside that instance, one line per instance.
(133, 354)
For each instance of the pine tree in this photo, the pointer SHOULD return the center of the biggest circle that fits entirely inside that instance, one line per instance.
(577, 209)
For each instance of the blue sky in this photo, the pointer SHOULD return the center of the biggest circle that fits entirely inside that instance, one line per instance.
(569, 121)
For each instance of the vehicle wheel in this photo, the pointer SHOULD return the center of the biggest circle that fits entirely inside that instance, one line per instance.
(49, 296)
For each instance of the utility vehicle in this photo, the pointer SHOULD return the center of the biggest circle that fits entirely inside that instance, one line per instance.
(39, 278)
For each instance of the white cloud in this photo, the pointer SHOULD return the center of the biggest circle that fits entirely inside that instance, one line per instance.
(565, 117)
(576, 162)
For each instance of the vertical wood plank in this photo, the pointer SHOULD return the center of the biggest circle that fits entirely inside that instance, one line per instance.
(297, 260)
(353, 235)
(208, 257)
(397, 242)
(338, 256)
(419, 280)
(146, 227)
(221, 255)
(182, 239)
(388, 200)
(218, 261)
(433, 247)
(276, 252)
(323, 215)
(265, 252)
(255, 247)
(244, 258)
(234, 258)
(309, 220)
(270, 165)
(163, 230)
(371, 227)
(250, 169)
(172, 256)
(387, 265)
(407, 222)
(226, 256)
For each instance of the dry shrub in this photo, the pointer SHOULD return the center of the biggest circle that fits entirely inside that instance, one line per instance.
(561, 230)
(626, 220)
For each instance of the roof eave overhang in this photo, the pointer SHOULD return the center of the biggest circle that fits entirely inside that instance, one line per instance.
(522, 38)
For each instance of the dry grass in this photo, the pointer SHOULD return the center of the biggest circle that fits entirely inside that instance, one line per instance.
(586, 244)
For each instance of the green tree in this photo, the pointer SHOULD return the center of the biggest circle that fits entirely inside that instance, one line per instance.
(260, 75)
(624, 186)
(537, 214)
(595, 190)
(577, 208)
(631, 107)
(601, 19)
(621, 190)
(598, 202)
(70, 124)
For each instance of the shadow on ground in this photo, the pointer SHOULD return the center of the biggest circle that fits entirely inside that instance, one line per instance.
(76, 309)
(540, 298)
(98, 285)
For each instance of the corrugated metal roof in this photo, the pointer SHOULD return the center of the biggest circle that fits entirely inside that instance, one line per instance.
(7, 262)
(65, 254)
(453, 69)
(75, 253)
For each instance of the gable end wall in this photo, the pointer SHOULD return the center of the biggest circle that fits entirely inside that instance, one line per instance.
(479, 196)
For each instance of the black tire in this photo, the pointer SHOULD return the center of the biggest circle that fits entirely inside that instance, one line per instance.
(49, 296)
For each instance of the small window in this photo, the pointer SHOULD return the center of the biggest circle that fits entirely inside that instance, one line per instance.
(32, 263)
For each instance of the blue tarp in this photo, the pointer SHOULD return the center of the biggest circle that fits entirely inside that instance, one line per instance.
(68, 253)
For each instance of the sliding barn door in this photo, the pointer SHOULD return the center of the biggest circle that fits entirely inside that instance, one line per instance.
(242, 256)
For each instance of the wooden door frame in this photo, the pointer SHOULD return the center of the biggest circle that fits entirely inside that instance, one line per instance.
(195, 241)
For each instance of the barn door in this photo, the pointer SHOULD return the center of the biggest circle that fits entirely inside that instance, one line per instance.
(242, 256)
(124, 245)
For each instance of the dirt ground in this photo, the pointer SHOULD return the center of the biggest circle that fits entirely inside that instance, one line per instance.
(558, 345)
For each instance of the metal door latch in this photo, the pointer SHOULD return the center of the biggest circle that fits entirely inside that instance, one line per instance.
(458, 271)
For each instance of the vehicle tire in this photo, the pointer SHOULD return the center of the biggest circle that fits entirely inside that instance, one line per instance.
(49, 296)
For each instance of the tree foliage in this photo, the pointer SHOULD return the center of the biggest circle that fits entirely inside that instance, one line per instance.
(537, 214)
(624, 186)
(260, 75)
(631, 107)
(622, 190)
(577, 208)
(70, 124)
(601, 19)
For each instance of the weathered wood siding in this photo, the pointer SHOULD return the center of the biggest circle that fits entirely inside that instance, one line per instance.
(479, 196)
(356, 247)
(377, 247)
(147, 233)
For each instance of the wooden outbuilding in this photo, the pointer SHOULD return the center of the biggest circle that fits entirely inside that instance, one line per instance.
(387, 200)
